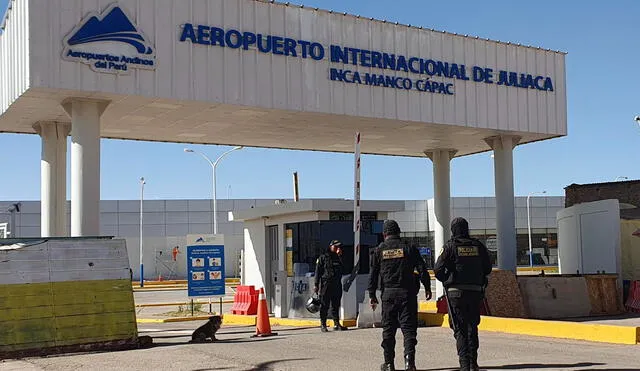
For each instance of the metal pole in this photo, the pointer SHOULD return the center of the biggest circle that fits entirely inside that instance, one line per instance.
(13, 230)
(529, 228)
(296, 195)
(356, 217)
(213, 168)
(209, 305)
(215, 201)
(142, 182)
(220, 305)
(356, 203)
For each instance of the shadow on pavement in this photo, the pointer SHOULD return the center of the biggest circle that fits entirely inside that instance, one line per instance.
(220, 341)
(267, 365)
(542, 365)
(521, 366)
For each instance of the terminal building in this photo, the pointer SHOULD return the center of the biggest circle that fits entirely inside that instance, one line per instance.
(166, 223)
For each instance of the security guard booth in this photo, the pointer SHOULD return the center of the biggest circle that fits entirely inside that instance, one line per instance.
(283, 241)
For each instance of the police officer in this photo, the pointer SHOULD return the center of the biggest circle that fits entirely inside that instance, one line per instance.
(463, 268)
(396, 262)
(328, 280)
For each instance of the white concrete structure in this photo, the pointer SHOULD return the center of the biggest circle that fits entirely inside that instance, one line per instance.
(441, 204)
(53, 171)
(263, 74)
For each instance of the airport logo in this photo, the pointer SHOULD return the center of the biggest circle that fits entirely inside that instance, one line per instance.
(200, 240)
(109, 42)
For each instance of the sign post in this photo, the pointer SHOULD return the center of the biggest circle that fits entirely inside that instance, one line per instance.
(205, 266)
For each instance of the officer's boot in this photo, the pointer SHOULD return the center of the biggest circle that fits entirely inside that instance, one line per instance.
(338, 326)
(410, 362)
(387, 367)
(473, 362)
(323, 326)
(465, 364)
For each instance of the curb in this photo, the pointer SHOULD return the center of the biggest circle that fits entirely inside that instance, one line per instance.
(229, 301)
(166, 288)
(238, 320)
(427, 306)
(553, 329)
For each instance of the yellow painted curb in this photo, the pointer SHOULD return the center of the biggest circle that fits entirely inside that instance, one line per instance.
(427, 306)
(187, 319)
(174, 319)
(165, 288)
(183, 303)
(149, 320)
(233, 319)
(553, 329)
(520, 269)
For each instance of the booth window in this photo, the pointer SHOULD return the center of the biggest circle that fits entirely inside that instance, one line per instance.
(311, 239)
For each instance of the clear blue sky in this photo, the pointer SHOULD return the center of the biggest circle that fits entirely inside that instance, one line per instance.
(603, 142)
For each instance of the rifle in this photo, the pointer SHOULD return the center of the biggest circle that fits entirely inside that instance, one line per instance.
(454, 325)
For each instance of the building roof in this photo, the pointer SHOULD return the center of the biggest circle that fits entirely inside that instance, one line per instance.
(314, 205)
(412, 26)
(575, 185)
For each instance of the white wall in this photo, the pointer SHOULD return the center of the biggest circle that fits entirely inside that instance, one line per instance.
(254, 264)
(187, 71)
(480, 212)
(166, 224)
(14, 53)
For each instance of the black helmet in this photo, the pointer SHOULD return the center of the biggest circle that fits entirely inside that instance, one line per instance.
(313, 304)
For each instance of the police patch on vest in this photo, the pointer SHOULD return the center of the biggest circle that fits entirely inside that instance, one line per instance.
(392, 254)
(468, 251)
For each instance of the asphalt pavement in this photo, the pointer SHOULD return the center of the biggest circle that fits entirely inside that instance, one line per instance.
(308, 349)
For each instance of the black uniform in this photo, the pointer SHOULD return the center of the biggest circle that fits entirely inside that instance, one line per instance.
(463, 268)
(396, 262)
(328, 279)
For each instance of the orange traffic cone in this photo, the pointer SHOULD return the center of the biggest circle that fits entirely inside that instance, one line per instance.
(263, 326)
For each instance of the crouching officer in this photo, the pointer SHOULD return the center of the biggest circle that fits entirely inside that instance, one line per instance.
(328, 280)
(463, 268)
(395, 263)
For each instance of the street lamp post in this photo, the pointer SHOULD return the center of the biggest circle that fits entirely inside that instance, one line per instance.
(529, 224)
(15, 208)
(214, 165)
(142, 183)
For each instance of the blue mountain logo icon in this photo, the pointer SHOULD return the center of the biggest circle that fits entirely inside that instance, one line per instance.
(115, 26)
(200, 239)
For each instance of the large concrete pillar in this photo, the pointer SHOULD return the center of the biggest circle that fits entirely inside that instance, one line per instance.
(441, 159)
(503, 146)
(53, 178)
(85, 165)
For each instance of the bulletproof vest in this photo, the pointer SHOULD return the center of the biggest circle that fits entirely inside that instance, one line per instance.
(332, 267)
(396, 265)
(468, 262)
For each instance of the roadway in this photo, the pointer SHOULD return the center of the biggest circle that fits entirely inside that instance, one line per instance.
(308, 349)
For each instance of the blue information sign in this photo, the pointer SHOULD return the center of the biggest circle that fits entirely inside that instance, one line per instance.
(425, 251)
(205, 264)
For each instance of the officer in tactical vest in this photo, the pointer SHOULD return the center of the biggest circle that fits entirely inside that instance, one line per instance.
(463, 268)
(396, 262)
(328, 281)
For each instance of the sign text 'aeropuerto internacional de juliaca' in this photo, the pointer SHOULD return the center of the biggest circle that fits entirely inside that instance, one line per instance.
(427, 68)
